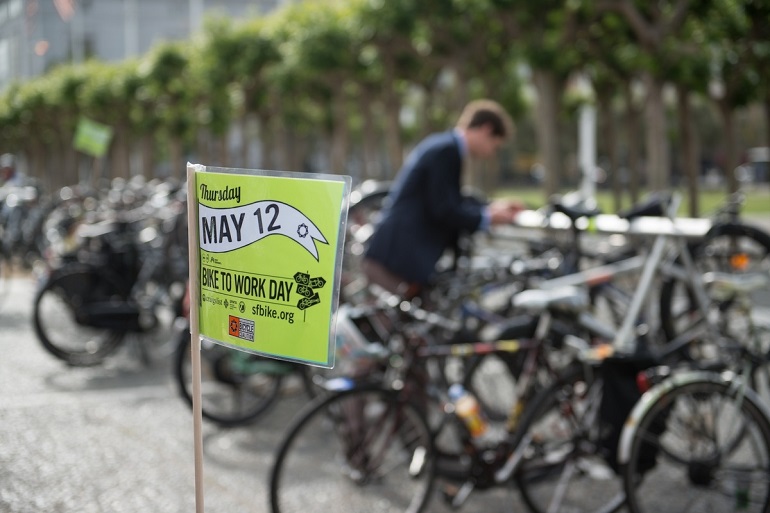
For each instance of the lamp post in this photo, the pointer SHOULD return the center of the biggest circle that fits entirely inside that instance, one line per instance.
(587, 142)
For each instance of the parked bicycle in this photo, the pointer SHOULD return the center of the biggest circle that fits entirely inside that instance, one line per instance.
(123, 282)
(382, 442)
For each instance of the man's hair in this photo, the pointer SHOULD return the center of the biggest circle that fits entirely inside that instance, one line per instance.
(486, 112)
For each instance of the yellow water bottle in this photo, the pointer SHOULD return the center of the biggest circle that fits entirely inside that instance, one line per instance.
(468, 409)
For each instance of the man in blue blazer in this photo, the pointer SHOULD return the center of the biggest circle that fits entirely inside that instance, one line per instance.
(426, 210)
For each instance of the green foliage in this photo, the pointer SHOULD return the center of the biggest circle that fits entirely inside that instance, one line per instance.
(294, 63)
(168, 90)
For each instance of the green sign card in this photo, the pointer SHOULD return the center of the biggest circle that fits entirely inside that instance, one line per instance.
(270, 254)
(92, 138)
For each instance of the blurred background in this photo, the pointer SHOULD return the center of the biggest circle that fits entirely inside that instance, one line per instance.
(641, 95)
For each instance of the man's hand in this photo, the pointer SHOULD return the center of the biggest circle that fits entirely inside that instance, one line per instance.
(504, 211)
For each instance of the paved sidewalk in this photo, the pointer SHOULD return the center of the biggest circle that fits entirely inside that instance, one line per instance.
(118, 439)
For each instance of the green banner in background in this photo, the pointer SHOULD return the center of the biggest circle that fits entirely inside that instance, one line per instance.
(92, 138)
(270, 247)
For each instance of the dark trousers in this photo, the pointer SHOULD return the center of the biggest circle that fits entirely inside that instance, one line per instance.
(378, 274)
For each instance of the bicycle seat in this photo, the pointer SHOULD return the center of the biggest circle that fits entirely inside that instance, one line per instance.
(575, 212)
(566, 299)
(96, 230)
(654, 205)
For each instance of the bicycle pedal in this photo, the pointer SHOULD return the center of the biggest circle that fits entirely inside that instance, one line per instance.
(456, 496)
(417, 464)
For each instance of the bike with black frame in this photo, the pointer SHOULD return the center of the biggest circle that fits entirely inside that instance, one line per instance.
(123, 283)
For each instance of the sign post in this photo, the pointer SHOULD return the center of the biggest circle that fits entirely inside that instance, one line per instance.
(265, 261)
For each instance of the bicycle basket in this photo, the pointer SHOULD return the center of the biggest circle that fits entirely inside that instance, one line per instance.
(358, 344)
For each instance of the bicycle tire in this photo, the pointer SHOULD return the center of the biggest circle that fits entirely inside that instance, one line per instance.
(684, 424)
(229, 397)
(676, 301)
(364, 448)
(54, 315)
(563, 469)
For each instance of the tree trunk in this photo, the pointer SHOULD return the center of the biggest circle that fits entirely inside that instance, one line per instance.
(633, 139)
(767, 123)
(340, 134)
(57, 154)
(203, 149)
(658, 160)
(223, 156)
(69, 156)
(281, 140)
(77, 163)
(54, 156)
(392, 104)
(176, 157)
(265, 139)
(71, 164)
(120, 152)
(547, 126)
(609, 144)
(148, 156)
(36, 163)
(372, 166)
(731, 147)
(462, 91)
(244, 124)
(689, 149)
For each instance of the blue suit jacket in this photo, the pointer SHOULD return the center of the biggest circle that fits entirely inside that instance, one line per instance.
(426, 211)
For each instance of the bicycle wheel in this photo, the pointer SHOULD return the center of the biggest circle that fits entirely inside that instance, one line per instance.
(364, 448)
(57, 322)
(699, 446)
(731, 248)
(236, 387)
(563, 469)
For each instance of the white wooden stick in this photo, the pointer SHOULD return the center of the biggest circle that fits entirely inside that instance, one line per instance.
(195, 339)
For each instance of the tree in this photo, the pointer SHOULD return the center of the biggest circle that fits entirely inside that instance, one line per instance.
(167, 82)
(736, 81)
(258, 53)
(318, 33)
(610, 58)
(539, 31)
(106, 97)
(214, 71)
(757, 14)
(390, 29)
(690, 75)
(654, 25)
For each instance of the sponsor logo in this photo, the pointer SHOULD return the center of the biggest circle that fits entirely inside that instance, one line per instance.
(241, 328)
